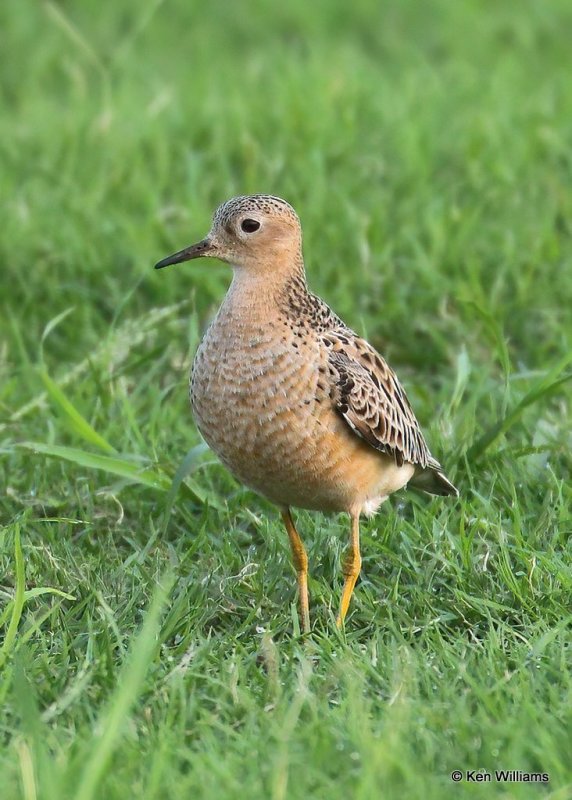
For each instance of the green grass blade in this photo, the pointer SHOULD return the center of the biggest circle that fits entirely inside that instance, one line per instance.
(187, 465)
(38, 774)
(77, 422)
(52, 325)
(29, 594)
(115, 465)
(19, 598)
(131, 679)
(546, 386)
(40, 590)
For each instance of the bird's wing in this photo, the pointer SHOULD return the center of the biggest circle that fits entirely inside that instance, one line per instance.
(367, 394)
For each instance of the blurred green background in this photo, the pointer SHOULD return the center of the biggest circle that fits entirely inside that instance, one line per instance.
(427, 147)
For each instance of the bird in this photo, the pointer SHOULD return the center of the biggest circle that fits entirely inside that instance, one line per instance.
(296, 405)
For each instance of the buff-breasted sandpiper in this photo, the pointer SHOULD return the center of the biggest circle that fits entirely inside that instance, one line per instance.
(295, 404)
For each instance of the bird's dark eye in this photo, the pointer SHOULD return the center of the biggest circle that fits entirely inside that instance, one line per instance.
(249, 225)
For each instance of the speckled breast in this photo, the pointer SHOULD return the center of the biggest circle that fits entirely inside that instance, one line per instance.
(256, 401)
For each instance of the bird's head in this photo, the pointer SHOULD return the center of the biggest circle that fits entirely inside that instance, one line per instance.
(255, 232)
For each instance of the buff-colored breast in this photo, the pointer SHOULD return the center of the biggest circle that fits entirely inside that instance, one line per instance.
(260, 398)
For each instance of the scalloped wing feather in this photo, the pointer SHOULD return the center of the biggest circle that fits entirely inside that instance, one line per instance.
(370, 398)
(368, 395)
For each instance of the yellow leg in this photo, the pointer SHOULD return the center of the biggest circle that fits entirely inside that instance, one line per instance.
(352, 566)
(300, 560)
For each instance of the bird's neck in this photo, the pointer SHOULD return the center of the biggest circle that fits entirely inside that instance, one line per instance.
(266, 288)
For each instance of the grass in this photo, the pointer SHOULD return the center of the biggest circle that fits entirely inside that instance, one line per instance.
(147, 600)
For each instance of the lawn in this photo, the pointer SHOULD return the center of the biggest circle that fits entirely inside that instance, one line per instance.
(148, 643)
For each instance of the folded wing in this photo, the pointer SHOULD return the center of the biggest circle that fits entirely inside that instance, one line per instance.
(368, 395)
